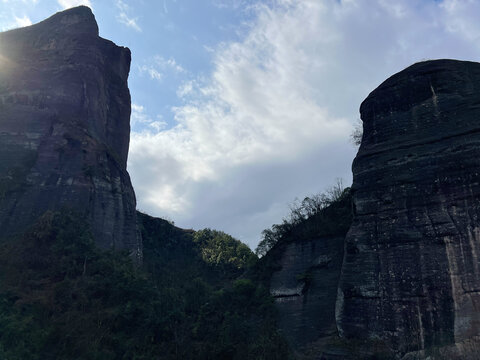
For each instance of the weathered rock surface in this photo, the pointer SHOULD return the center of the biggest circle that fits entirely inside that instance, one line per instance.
(411, 276)
(64, 128)
(305, 290)
(306, 267)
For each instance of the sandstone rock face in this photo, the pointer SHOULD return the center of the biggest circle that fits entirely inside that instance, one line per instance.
(411, 275)
(305, 290)
(304, 270)
(64, 128)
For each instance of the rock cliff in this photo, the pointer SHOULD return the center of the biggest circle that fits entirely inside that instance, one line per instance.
(306, 267)
(305, 290)
(411, 276)
(64, 128)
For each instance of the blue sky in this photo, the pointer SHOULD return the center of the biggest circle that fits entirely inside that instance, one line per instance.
(172, 41)
(240, 106)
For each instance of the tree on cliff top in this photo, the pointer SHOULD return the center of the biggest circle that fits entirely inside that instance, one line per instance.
(300, 212)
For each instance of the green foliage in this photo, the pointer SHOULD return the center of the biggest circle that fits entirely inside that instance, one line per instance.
(239, 323)
(223, 252)
(213, 312)
(324, 214)
(63, 298)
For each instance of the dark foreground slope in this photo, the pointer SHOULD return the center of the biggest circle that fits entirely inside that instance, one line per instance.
(63, 298)
(64, 128)
(216, 309)
(411, 275)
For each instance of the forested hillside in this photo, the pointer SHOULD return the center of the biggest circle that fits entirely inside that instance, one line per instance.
(63, 298)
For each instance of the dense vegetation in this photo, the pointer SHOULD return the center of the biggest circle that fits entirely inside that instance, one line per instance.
(63, 298)
(324, 214)
(328, 214)
(197, 295)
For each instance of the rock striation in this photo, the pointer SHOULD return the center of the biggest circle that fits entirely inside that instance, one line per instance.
(411, 272)
(305, 290)
(64, 128)
(305, 269)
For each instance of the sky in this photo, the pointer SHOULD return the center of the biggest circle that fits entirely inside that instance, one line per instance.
(241, 106)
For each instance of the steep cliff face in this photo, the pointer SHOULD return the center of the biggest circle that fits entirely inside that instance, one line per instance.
(411, 276)
(306, 266)
(305, 290)
(64, 128)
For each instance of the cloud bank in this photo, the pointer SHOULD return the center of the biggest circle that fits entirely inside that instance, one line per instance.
(273, 119)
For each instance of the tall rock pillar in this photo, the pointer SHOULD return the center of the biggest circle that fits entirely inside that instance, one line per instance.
(64, 128)
(411, 272)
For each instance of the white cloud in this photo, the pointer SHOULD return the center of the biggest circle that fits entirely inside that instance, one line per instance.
(138, 115)
(273, 120)
(258, 108)
(16, 13)
(66, 4)
(185, 89)
(22, 21)
(142, 122)
(33, 2)
(234, 4)
(461, 18)
(130, 22)
(170, 63)
(124, 16)
(158, 66)
(151, 71)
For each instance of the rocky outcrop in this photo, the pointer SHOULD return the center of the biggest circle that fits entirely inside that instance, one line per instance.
(64, 128)
(411, 277)
(305, 290)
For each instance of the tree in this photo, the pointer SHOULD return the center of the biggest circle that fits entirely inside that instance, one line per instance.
(300, 211)
(357, 134)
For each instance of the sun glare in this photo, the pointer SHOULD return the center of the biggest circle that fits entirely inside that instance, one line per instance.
(6, 65)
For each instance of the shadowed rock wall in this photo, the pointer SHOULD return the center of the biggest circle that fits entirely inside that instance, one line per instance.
(305, 289)
(64, 128)
(304, 270)
(410, 276)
